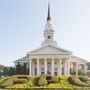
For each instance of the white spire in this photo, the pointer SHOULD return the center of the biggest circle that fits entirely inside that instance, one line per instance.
(48, 24)
(48, 31)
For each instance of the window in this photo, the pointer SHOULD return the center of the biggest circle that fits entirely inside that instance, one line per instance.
(49, 37)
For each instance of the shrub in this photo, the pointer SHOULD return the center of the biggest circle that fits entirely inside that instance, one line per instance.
(88, 74)
(63, 80)
(6, 82)
(34, 80)
(3, 80)
(42, 81)
(23, 77)
(17, 86)
(52, 79)
(76, 81)
(54, 85)
(83, 78)
(59, 86)
(73, 71)
(19, 81)
(30, 83)
(81, 72)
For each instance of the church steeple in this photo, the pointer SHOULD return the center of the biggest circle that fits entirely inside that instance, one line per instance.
(48, 16)
(49, 31)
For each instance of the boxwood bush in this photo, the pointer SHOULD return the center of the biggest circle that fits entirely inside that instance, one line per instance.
(84, 79)
(23, 77)
(52, 79)
(34, 80)
(6, 82)
(19, 81)
(30, 83)
(42, 81)
(76, 81)
(63, 80)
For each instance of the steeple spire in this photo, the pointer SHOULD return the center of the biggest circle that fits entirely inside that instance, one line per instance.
(48, 31)
(48, 17)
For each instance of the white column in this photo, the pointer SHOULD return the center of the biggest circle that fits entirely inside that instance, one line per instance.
(30, 66)
(33, 68)
(45, 67)
(76, 69)
(68, 64)
(60, 67)
(52, 69)
(65, 68)
(38, 67)
(85, 68)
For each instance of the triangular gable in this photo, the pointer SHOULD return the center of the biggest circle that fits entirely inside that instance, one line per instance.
(50, 50)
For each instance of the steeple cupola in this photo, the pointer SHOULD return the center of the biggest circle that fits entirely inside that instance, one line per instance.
(48, 31)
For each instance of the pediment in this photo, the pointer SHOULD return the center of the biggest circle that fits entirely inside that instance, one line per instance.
(50, 50)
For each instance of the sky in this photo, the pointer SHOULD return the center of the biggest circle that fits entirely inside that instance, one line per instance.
(22, 23)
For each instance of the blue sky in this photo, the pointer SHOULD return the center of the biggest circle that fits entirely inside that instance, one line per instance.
(22, 23)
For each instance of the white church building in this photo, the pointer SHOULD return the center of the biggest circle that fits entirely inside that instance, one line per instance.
(51, 59)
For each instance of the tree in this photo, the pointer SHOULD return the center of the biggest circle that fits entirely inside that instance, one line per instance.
(73, 70)
(81, 72)
(19, 69)
(24, 69)
(5, 71)
(11, 71)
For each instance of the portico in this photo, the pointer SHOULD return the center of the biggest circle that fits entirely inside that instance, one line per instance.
(49, 65)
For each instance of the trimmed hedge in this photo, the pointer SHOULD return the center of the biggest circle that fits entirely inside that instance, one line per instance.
(52, 79)
(19, 81)
(23, 77)
(6, 82)
(76, 81)
(45, 81)
(42, 81)
(63, 80)
(17, 87)
(34, 80)
(84, 79)
(30, 83)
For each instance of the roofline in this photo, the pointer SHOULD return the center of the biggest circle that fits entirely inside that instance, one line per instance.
(49, 54)
(20, 58)
(51, 46)
(80, 58)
